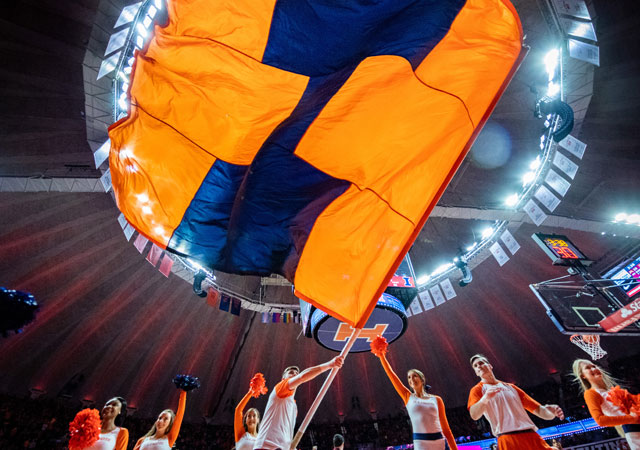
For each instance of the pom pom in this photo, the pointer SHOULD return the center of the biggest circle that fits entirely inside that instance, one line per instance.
(84, 430)
(257, 385)
(186, 382)
(379, 346)
(17, 309)
(635, 407)
(621, 398)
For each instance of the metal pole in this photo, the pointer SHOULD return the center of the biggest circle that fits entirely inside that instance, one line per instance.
(323, 390)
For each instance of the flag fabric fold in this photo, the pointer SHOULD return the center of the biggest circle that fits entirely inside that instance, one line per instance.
(304, 138)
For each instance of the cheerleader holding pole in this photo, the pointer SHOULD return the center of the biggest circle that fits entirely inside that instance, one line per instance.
(164, 432)
(426, 411)
(245, 426)
(599, 393)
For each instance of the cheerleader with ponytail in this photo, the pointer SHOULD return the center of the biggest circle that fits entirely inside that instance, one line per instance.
(245, 426)
(426, 411)
(164, 432)
(609, 405)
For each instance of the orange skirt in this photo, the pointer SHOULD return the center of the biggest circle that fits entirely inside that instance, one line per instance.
(521, 441)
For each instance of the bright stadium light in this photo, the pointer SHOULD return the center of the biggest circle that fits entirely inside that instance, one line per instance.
(553, 89)
(424, 279)
(535, 164)
(551, 62)
(512, 200)
(443, 268)
(472, 246)
(620, 217)
(633, 218)
(487, 232)
(528, 177)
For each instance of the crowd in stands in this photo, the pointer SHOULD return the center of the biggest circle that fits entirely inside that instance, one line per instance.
(43, 423)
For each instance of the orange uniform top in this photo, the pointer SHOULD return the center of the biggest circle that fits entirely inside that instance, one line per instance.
(238, 426)
(172, 436)
(506, 411)
(405, 394)
(601, 410)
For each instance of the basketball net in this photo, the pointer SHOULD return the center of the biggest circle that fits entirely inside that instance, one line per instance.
(590, 343)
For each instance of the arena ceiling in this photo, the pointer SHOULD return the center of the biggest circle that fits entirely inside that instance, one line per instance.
(113, 325)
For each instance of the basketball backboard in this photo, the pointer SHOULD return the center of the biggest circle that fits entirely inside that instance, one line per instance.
(575, 306)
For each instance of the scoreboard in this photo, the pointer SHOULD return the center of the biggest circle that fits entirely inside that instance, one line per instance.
(560, 249)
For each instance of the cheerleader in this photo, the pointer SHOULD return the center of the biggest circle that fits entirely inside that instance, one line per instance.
(245, 427)
(505, 406)
(164, 432)
(112, 435)
(596, 384)
(426, 411)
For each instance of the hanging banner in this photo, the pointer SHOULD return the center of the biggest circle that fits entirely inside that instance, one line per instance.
(565, 164)
(128, 231)
(535, 212)
(499, 254)
(510, 242)
(557, 182)
(436, 294)
(122, 221)
(101, 155)
(140, 243)
(579, 29)
(573, 146)
(154, 255)
(575, 8)
(166, 265)
(546, 197)
(426, 301)
(584, 52)
(447, 288)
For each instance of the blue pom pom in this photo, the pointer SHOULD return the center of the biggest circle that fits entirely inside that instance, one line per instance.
(186, 382)
(17, 309)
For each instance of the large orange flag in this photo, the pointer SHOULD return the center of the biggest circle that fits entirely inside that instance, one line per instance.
(307, 138)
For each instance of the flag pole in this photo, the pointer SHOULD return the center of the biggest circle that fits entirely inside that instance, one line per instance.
(323, 390)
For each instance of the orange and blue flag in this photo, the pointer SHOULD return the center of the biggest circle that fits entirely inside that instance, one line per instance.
(309, 138)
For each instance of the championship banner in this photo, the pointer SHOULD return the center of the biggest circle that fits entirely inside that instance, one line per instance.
(622, 318)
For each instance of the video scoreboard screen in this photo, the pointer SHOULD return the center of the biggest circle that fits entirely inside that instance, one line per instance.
(628, 278)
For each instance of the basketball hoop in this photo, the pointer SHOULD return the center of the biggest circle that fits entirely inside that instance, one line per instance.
(590, 343)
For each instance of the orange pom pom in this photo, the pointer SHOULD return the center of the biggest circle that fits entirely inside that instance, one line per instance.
(84, 429)
(379, 346)
(621, 398)
(257, 385)
(635, 407)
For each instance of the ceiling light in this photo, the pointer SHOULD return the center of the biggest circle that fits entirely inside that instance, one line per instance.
(441, 269)
(633, 218)
(620, 217)
(535, 164)
(512, 200)
(487, 232)
(472, 246)
(528, 177)
(551, 62)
